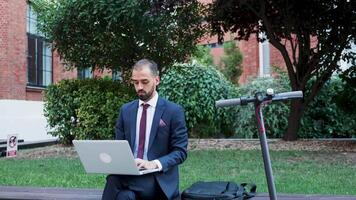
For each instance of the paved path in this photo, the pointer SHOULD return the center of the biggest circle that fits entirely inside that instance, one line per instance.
(27, 193)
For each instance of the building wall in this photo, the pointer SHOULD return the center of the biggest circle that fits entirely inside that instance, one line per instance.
(250, 64)
(276, 57)
(59, 70)
(250, 53)
(12, 49)
(13, 55)
(249, 50)
(24, 118)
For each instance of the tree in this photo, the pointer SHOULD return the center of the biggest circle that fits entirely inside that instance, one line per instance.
(231, 62)
(114, 34)
(311, 35)
(202, 55)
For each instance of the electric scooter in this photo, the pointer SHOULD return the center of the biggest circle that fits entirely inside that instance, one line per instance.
(259, 100)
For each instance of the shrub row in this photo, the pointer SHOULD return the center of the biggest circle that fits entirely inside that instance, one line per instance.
(87, 109)
(323, 118)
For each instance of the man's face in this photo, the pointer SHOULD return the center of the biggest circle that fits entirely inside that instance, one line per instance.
(145, 83)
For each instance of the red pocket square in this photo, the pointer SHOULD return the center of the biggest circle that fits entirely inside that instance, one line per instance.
(162, 123)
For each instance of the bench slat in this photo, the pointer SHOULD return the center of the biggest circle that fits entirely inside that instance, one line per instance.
(27, 193)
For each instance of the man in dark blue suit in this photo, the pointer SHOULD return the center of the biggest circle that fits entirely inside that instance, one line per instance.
(156, 131)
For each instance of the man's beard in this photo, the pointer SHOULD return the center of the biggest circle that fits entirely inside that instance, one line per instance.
(144, 96)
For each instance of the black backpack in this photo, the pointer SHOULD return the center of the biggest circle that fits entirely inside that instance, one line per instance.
(218, 190)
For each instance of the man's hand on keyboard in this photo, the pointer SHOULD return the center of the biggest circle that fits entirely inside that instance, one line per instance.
(145, 164)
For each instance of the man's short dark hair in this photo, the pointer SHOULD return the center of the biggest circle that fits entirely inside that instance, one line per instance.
(149, 63)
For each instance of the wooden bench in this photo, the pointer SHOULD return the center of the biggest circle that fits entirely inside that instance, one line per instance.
(31, 193)
(27, 193)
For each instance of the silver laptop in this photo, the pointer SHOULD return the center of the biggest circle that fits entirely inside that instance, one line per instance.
(108, 157)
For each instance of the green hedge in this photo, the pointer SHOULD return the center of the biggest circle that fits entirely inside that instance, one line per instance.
(84, 109)
(275, 114)
(196, 88)
(323, 118)
(87, 109)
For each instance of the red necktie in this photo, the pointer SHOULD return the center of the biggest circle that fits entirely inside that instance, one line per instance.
(142, 133)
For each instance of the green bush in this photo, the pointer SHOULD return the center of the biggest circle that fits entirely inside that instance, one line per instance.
(84, 109)
(202, 55)
(346, 99)
(324, 118)
(231, 62)
(196, 88)
(275, 114)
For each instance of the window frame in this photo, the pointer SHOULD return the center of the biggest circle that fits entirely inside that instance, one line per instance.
(84, 73)
(37, 69)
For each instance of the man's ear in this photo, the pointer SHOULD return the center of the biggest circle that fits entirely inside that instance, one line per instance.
(157, 80)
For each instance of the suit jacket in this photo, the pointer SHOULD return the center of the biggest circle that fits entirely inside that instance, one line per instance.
(168, 140)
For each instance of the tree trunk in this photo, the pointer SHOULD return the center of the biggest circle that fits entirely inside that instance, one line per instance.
(295, 116)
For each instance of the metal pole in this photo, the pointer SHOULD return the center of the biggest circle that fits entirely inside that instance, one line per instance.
(265, 153)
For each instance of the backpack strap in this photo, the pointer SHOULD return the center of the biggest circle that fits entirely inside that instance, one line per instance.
(252, 193)
(240, 193)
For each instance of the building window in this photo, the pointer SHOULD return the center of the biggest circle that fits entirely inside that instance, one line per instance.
(264, 55)
(214, 45)
(85, 73)
(116, 75)
(39, 63)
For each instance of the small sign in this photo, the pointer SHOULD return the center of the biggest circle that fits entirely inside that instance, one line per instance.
(11, 150)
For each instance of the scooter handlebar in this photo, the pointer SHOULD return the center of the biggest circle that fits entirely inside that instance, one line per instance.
(288, 95)
(228, 102)
(245, 100)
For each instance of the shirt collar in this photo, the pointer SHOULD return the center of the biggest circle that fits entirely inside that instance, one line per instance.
(152, 102)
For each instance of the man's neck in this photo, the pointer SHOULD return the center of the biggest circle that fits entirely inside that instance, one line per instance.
(152, 97)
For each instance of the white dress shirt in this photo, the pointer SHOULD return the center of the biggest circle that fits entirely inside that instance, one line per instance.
(149, 117)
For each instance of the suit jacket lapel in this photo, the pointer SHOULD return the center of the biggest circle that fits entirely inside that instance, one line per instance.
(133, 118)
(155, 123)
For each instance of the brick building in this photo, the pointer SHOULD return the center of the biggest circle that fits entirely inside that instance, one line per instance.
(257, 57)
(27, 64)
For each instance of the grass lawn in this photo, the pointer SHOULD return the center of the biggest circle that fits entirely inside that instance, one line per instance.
(297, 172)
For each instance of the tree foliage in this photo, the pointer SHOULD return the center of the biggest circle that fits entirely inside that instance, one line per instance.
(326, 117)
(231, 62)
(115, 33)
(346, 98)
(202, 55)
(311, 35)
